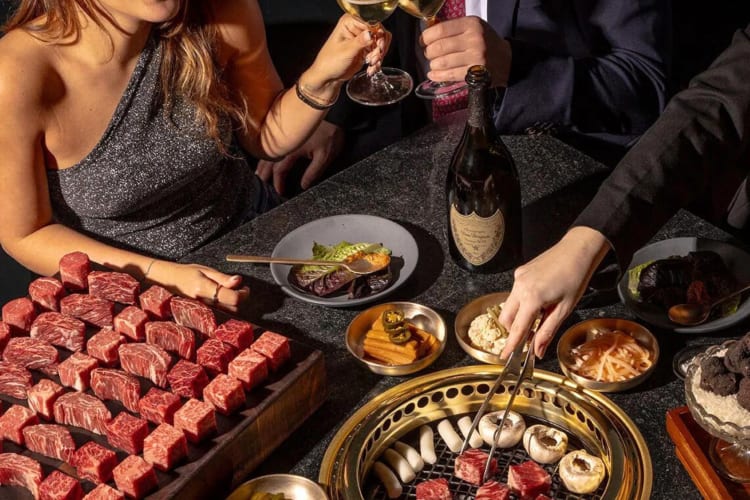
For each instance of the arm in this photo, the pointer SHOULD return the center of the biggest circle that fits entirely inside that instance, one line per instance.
(278, 122)
(28, 232)
(619, 91)
(704, 129)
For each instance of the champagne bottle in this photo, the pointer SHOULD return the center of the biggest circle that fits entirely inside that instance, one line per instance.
(483, 191)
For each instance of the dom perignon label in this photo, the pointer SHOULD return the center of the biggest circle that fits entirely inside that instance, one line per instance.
(477, 238)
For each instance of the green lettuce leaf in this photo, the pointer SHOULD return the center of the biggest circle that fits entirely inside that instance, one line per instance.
(634, 277)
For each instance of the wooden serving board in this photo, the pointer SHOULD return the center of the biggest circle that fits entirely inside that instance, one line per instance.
(691, 447)
(214, 468)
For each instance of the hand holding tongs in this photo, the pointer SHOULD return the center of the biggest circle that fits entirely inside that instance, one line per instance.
(522, 368)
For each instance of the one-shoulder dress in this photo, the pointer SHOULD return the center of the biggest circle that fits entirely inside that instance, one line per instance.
(157, 184)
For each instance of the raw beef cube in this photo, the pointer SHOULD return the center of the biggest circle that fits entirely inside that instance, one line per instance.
(108, 383)
(59, 486)
(42, 397)
(19, 314)
(146, 360)
(214, 355)
(59, 330)
(50, 440)
(434, 489)
(236, 333)
(470, 466)
(82, 410)
(114, 286)
(76, 371)
(135, 477)
(34, 354)
(74, 270)
(5, 333)
(171, 337)
(127, 432)
(249, 367)
(14, 421)
(155, 301)
(46, 293)
(104, 492)
(18, 470)
(92, 310)
(158, 406)
(193, 314)
(492, 490)
(94, 462)
(15, 380)
(225, 394)
(187, 379)
(196, 419)
(131, 322)
(273, 346)
(104, 345)
(529, 479)
(164, 447)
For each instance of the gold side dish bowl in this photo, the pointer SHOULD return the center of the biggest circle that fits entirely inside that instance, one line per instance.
(421, 316)
(464, 318)
(291, 486)
(581, 332)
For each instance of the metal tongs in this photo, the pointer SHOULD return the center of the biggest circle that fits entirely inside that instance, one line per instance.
(516, 366)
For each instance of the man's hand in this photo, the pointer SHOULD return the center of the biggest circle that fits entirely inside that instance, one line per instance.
(452, 46)
(323, 146)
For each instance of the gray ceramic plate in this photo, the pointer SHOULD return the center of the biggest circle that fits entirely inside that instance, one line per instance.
(352, 228)
(736, 259)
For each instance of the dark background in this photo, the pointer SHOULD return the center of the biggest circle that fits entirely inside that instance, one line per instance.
(297, 28)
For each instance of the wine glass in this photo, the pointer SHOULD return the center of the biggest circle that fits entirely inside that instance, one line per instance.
(388, 85)
(427, 11)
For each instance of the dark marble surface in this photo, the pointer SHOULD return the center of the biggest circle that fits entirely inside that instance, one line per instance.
(405, 183)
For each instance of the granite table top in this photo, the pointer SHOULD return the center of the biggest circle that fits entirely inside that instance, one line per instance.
(405, 183)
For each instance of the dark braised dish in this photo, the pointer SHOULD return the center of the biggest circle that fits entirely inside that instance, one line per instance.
(697, 278)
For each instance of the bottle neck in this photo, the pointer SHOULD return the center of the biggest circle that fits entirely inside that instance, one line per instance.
(479, 107)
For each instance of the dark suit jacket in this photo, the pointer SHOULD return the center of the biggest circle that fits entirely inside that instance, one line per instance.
(595, 69)
(697, 155)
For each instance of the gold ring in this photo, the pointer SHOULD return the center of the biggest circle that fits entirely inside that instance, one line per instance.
(215, 299)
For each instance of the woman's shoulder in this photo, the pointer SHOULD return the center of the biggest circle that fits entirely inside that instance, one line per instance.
(26, 69)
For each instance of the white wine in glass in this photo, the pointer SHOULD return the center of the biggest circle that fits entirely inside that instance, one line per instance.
(389, 85)
(427, 10)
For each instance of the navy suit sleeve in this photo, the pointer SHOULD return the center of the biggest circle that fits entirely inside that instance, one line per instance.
(697, 152)
(619, 88)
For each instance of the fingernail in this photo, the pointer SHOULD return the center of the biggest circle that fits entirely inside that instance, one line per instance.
(368, 36)
(543, 350)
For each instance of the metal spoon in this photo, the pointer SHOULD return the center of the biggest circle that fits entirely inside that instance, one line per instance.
(695, 314)
(366, 264)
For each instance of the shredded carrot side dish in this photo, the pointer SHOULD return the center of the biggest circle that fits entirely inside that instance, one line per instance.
(612, 356)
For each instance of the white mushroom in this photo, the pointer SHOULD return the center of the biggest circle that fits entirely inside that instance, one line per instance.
(449, 435)
(512, 432)
(399, 464)
(545, 445)
(388, 478)
(409, 454)
(581, 472)
(464, 425)
(427, 444)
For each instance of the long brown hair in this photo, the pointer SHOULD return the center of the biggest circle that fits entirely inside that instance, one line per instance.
(189, 68)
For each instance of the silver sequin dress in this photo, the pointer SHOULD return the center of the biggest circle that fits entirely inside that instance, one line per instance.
(155, 185)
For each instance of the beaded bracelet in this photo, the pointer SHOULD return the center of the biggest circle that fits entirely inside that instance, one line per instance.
(310, 101)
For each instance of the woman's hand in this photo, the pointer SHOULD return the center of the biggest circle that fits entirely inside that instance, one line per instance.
(351, 44)
(553, 282)
(200, 282)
